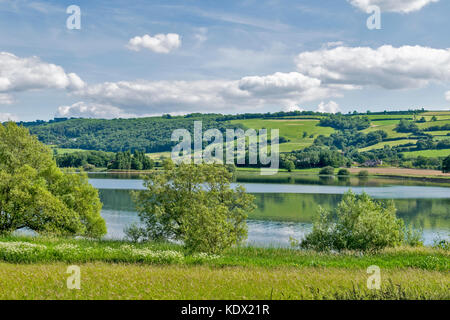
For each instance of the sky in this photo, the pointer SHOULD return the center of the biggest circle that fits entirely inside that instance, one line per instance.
(145, 58)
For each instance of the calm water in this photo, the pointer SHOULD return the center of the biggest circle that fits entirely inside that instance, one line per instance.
(287, 210)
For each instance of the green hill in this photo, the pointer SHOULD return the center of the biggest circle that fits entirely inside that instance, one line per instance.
(356, 136)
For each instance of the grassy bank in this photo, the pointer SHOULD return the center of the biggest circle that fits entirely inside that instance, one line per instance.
(35, 268)
(39, 250)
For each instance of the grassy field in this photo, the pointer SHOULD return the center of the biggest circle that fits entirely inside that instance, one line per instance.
(388, 143)
(291, 129)
(427, 153)
(35, 268)
(67, 150)
(119, 281)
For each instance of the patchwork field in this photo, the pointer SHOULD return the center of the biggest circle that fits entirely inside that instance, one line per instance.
(291, 129)
(302, 130)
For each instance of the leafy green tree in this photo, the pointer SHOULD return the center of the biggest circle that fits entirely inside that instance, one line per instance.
(358, 223)
(446, 165)
(327, 171)
(194, 204)
(290, 165)
(36, 194)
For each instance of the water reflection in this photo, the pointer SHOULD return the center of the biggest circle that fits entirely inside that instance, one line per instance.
(280, 215)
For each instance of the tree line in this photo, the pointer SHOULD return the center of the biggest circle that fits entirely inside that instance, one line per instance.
(100, 159)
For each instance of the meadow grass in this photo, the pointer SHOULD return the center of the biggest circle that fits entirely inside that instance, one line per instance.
(427, 153)
(122, 281)
(36, 268)
(44, 250)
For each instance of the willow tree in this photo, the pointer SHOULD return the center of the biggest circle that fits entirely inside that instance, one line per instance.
(35, 194)
(194, 204)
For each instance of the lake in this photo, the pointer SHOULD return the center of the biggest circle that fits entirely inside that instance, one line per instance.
(287, 205)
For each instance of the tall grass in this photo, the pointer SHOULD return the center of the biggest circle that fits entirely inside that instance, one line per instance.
(46, 250)
(119, 281)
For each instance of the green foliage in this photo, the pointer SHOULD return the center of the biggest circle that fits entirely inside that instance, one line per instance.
(422, 120)
(194, 204)
(413, 237)
(425, 144)
(443, 144)
(363, 173)
(147, 134)
(327, 171)
(127, 161)
(35, 194)
(341, 122)
(99, 159)
(289, 165)
(446, 165)
(426, 163)
(407, 126)
(351, 138)
(442, 244)
(445, 127)
(315, 157)
(358, 223)
(343, 172)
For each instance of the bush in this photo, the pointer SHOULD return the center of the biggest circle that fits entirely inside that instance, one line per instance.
(327, 171)
(343, 172)
(363, 173)
(446, 165)
(193, 204)
(358, 223)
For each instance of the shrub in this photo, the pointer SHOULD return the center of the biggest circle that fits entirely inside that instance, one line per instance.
(343, 172)
(327, 171)
(363, 173)
(358, 223)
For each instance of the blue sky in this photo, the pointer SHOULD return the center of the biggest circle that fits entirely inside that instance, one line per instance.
(223, 56)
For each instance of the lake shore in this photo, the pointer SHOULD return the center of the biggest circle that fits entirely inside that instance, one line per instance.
(388, 172)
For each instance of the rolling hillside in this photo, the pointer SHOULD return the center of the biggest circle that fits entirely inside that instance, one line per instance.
(299, 130)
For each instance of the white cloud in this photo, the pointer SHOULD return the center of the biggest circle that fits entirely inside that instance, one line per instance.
(7, 117)
(278, 90)
(6, 98)
(401, 6)
(92, 110)
(21, 74)
(386, 67)
(279, 83)
(447, 96)
(293, 108)
(201, 35)
(330, 107)
(160, 43)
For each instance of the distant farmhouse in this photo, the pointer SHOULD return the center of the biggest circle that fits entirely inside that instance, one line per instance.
(373, 163)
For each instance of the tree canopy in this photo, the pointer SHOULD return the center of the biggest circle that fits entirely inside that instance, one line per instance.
(36, 194)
